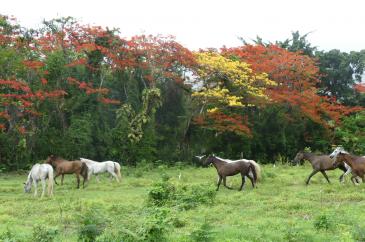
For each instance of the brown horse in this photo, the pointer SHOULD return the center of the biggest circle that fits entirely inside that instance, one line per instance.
(225, 169)
(357, 164)
(320, 163)
(63, 167)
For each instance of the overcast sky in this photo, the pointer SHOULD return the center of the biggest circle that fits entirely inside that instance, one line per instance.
(201, 24)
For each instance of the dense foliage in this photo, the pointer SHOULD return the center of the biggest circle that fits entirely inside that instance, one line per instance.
(83, 91)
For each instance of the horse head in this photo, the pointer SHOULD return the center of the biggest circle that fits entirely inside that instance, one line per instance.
(338, 150)
(27, 186)
(339, 158)
(50, 160)
(299, 156)
(209, 160)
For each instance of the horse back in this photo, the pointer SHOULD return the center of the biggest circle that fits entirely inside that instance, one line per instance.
(322, 162)
(233, 168)
(69, 167)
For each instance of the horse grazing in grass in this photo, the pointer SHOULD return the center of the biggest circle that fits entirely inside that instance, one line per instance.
(320, 163)
(225, 169)
(357, 164)
(63, 167)
(100, 167)
(40, 172)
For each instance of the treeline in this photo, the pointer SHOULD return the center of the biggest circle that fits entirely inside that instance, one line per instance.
(83, 91)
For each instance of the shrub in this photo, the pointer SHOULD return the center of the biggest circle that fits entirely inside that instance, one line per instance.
(322, 222)
(192, 196)
(161, 193)
(292, 235)
(8, 236)
(121, 234)
(359, 234)
(43, 234)
(203, 234)
(92, 225)
(156, 225)
(185, 197)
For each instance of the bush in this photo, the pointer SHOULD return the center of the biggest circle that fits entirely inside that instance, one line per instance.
(203, 234)
(322, 222)
(156, 225)
(161, 193)
(92, 225)
(292, 235)
(43, 234)
(122, 234)
(191, 196)
(359, 234)
(185, 197)
(8, 236)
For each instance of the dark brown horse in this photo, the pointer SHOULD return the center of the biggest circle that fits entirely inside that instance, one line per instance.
(320, 163)
(357, 164)
(63, 167)
(225, 169)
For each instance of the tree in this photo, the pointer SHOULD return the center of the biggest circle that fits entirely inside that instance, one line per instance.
(296, 76)
(228, 86)
(341, 71)
(298, 43)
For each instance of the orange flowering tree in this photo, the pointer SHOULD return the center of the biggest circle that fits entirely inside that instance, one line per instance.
(297, 76)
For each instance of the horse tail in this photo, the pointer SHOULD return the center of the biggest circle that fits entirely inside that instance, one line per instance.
(253, 169)
(117, 170)
(50, 181)
(257, 168)
(84, 170)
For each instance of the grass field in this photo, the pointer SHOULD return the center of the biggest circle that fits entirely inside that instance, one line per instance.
(281, 209)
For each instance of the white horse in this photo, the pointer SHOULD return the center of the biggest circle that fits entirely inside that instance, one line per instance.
(100, 167)
(40, 172)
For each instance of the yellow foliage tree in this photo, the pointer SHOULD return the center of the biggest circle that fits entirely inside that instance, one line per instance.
(228, 83)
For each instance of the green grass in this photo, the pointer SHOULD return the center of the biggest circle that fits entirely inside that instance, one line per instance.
(281, 209)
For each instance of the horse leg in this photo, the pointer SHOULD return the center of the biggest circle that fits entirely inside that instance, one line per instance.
(252, 181)
(43, 187)
(115, 175)
(352, 179)
(97, 178)
(342, 179)
(78, 180)
(357, 181)
(56, 177)
(325, 175)
(83, 182)
(63, 175)
(242, 183)
(224, 183)
(219, 182)
(35, 187)
(310, 176)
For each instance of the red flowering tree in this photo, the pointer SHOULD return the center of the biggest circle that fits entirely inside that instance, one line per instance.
(297, 76)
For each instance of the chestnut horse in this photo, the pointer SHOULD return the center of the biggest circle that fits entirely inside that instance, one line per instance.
(225, 169)
(63, 167)
(357, 164)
